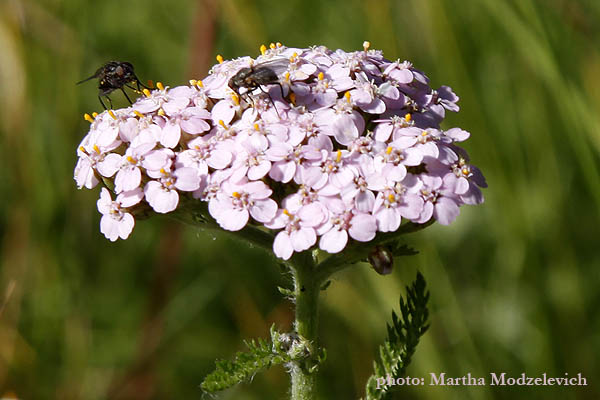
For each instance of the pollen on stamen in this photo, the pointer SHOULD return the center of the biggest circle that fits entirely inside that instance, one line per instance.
(287, 76)
(338, 156)
(162, 171)
(96, 148)
(321, 76)
(263, 49)
(236, 195)
(293, 98)
(83, 150)
(88, 118)
(272, 45)
(347, 96)
(391, 198)
(235, 98)
(112, 114)
(389, 150)
(160, 86)
(193, 82)
(408, 117)
(138, 114)
(131, 159)
(199, 83)
(424, 133)
(219, 58)
(222, 124)
(256, 127)
(161, 112)
(286, 212)
(94, 114)
(366, 45)
(146, 92)
(465, 171)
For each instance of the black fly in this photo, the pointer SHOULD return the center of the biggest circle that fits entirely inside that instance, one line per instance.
(264, 73)
(115, 75)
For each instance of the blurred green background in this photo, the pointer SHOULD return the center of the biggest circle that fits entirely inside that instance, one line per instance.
(514, 283)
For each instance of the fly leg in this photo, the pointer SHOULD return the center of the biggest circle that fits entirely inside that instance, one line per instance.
(101, 102)
(105, 92)
(127, 97)
(139, 91)
(270, 99)
(280, 88)
(138, 83)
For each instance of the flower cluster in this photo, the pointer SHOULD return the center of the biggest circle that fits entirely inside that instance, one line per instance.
(344, 145)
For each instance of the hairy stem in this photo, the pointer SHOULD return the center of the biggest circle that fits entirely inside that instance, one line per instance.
(306, 293)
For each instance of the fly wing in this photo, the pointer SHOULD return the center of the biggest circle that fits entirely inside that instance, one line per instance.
(96, 75)
(278, 65)
(87, 79)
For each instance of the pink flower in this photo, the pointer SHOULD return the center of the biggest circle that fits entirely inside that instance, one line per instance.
(440, 201)
(95, 155)
(466, 180)
(342, 146)
(171, 101)
(162, 194)
(370, 98)
(191, 120)
(116, 222)
(204, 152)
(332, 170)
(298, 225)
(386, 128)
(252, 163)
(235, 203)
(129, 176)
(444, 99)
(343, 222)
(397, 200)
(288, 161)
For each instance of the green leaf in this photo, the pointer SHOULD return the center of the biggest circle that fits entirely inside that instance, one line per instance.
(261, 354)
(403, 336)
(325, 285)
(402, 250)
(286, 292)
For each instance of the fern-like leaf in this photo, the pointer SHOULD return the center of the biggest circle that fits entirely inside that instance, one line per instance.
(261, 354)
(403, 336)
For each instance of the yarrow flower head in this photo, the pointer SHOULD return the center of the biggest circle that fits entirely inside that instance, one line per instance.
(342, 146)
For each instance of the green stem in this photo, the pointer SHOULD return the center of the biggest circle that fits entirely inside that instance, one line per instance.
(306, 293)
(308, 279)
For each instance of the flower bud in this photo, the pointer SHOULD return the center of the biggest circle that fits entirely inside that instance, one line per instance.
(382, 260)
